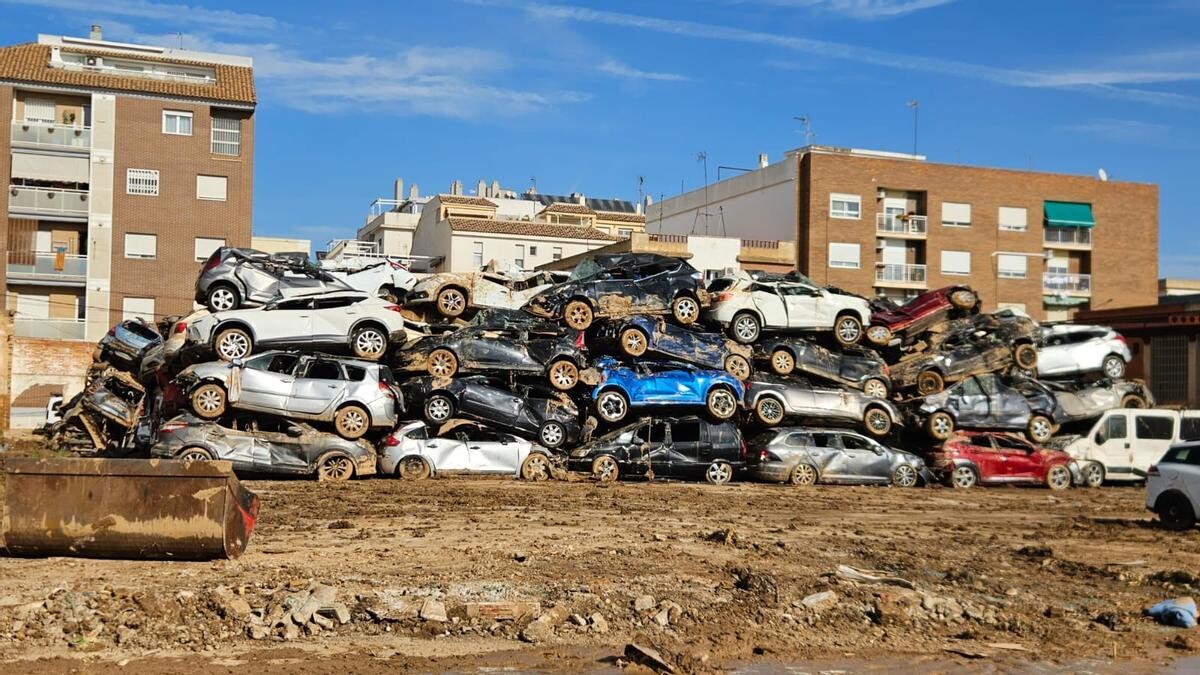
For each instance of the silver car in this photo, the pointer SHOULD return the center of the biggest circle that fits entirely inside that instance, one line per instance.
(412, 453)
(805, 456)
(774, 398)
(354, 395)
(245, 277)
(1067, 349)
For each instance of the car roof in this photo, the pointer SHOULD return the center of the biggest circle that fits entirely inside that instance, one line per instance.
(292, 293)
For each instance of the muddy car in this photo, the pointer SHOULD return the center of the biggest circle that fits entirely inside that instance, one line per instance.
(134, 346)
(807, 456)
(233, 278)
(651, 383)
(640, 335)
(452, 294)
(773, 399)
(1068, 350)
(990, 402)
(687, 447)
(855, 367)
(1081, 402)
(102, 417)
(532, 412)
(624, 284)
(985, 458)
(387, 279)
(411, 453)
(981, 344)
(750, 303)
(920, 313)
(265, 445)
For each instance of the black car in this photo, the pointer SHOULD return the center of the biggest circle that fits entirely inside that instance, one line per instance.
(133, 346)
(637, 335)
(538, 413)
(991, 402)
(624, 284)
(854, 366)
(678, 447)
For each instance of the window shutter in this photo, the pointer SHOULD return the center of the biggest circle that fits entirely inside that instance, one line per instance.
(844, 255)
(1013, 218)
(1010, 265)
(205, 247)
(956, 262)
(39, 110)
(212, 188)
(954, 213)
(141, 245)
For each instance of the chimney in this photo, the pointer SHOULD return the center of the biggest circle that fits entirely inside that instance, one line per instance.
(762, 160)
(456, 187)
(398, 191)
(96, 33)
(637, 208)
(480, 189)
(578, 197)
(496, 189)
(413, 193)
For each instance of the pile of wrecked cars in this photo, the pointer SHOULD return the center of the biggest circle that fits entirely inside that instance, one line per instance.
(628, 366)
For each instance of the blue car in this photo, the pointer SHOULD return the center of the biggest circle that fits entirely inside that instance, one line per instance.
(639, 335)
(663, 384)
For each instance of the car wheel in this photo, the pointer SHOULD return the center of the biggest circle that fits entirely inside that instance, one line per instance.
(1133, 401)
(904, 476)
(633, 342)
(940, 425)
(352, 422)
(1175, 512)
(877, 421)
(552, 434)
(369, 343)
(769, 411)
(1058, 477)
(803, 474)
(390, 294)
(719, 473)
(686, 310)
(194, 455)
(847, 330)
(880, 335)
(745, 328)
(413, 468)
(1093, 474)
(439, 408)
(1026, 357)
(442, 363)
(233, 343)
(782, 362)
(963, 298)
(451, 302)
(612, 406)
(578, 314)
(875, 388)
(335, 469)
(963, 477)
(737, 366)
(222, 299)
(1113, 367)
(1040, 429)
(605, 469)
(930, 382)
(208, 400)
(563, 375)
(535, 468)
(721, 403)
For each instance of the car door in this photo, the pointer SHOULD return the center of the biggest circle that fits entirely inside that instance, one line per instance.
(287, 322)
(448, 454)
(234, 446)
(803, 398)
(1057, 355)
(266, 381)
(488, 402)
(800, 302)
(258, 285)
(687, 456)
(319, 387)
(981, 450)
(281, 452)
(1008, 407)
(828, 444)
(866, 460)
(1019, 459)
(674, 385)
(769, 303)
(492, 452)
(817, 361)
(332, 318)
(503, 349)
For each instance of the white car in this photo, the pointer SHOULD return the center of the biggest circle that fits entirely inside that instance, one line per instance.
(366, 324)
(411, 453)
(387, 279)
(453, 293)
(1067, 349)
(1173, 486)
(747, 305)
(1122, 444)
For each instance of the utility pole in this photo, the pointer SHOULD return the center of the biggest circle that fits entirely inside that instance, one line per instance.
(915, 105)
(702, 156)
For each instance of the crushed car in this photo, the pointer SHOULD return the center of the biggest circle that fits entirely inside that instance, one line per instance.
(103, 417)
(233, 278)
(984, 343)
(807, 456)
(990, 402)
(668, 384)
(984, 458)
(1080, 402)
(687, 447)
(387, 279)
(133, 346)
(773, 399)
(452, 294)
(748, 304)
(411, 453)
(1067, 350)
(637, 336)
(921, 313)
(854, 366)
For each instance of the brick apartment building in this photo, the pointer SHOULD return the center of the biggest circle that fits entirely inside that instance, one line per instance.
(893, 224)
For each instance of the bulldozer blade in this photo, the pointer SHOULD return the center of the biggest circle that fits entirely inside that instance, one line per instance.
(126, 508)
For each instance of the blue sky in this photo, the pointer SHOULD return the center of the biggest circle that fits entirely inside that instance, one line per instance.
(589, 96)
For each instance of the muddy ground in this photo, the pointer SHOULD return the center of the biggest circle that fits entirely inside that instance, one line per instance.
(714, 578)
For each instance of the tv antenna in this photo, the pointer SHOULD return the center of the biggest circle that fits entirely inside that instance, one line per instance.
(702, 157)
(809, 136)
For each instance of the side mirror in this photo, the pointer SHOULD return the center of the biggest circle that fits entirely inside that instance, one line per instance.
(1101, 439)
(295, 432)
(238, 363)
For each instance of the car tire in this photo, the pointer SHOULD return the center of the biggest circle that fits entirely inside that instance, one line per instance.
(847, 330)
(563, 375)
(769, 411)
(578, 314)
(413, 467)
(930, 382)
(719, 472)
(209, 401)
(782, 362)
(222, 298)
(233, 343)
(875, 388)
(1040, 429)
(535, 468)
(451, 302)
(745, 328)
(612, 406)
(369, 343)
(963, 298)
(439, 408)
(940, 426)
(1175, 512)
(335, 468)
(963, 477)
(194, 454)
(552, 434)
(1025, 357)
(1133, 401)
(634, 342)
(905, 476)
(1058, 477)
(442, 363)
(721, 402)
(879, 335)
(390, 294)
(605, 469)
(877, 422)
(352, 422)
(803, 474)
(1093, 474)
(737, 366)
(1113, 367)
(686, 310)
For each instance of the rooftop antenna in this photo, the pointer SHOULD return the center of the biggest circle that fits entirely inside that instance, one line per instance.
(180, 36)
(533, 184)
(915, 105)
(1103, 174)
(641, 184)
(702, 157)
(809, 136)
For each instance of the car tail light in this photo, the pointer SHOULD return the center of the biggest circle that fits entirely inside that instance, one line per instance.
(1121, 338)
(213, 260)
(391, 441)
(180, 327)
(886, 370)
(387, 389)
(744, 451)
(579, 344)
(763, 455)
(1152, 471)
(112, 332)
(172, 427)
(722, 297)
(395, 308)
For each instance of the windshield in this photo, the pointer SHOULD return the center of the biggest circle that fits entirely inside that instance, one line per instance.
(586, 268)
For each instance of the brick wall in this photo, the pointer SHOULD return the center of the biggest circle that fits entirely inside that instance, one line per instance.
(40, 368)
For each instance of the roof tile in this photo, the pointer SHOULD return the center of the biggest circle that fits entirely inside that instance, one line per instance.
(530, 229)
(466, 201)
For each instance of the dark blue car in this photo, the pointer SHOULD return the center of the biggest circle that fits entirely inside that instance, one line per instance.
(663, 384)
(640, 335)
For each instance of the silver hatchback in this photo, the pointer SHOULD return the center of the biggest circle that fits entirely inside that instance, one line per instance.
(354, 395)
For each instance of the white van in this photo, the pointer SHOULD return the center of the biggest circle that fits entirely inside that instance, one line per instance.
(1125, 442)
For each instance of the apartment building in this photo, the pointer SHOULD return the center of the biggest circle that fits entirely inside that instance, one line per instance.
(127, 165)
(894, 224)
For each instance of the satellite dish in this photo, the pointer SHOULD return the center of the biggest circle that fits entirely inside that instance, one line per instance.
(1103, 174)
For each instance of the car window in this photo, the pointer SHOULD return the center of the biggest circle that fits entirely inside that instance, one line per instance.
(658, 432)
(1007, 443)
(385, 375)
(334, 303)
(323, 370)
(356, 373)
(418, 433)
(856, 443)
(685, 432)
(1182, 454)
(483, 436)
(303, 303)
(799, 440)
(261, 362)
(792, 289)
(989, 384)
(1117, 426)
(969, 388)
(981, 441)
(825, 441)
(1154, 428)
(284, 364)
(721, 284)
(1189, 428)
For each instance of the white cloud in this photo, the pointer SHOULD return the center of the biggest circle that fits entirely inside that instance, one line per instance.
(1119, 130)
(614, 67)
(219, 20)
(861, 9)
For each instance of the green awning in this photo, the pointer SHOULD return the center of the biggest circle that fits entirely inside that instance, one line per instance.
(1069, 214)
(1064, 301)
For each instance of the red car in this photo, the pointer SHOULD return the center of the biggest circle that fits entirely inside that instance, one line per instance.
(990, 458)
(920, 313)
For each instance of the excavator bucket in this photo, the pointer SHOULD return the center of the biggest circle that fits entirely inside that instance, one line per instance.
(126, 508)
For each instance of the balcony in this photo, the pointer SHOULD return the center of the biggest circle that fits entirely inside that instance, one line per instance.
(54, 202)
(900, 227)
(1079, 238)
(51, 329)
(52, 136)
(56, 269)
(900, 276)
(1067, 284)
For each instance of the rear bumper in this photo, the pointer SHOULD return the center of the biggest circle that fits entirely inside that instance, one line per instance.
(771, 472)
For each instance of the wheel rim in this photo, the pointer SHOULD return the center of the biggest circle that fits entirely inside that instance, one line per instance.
(686, 310)
(1040, 429)
(737, 366)
(634, 342)
(746, 328)
(352, 421)
(552, 434)
(929, 383)
(234, 345)
(536, 467)
(564, 375)
(1095, 476)
(209, 400)
(848, 330)
(451, 302)
(875, 388)
(605, 468)
(722, 403)
(964, 299)
(438, 409)
(370, 342)
(878, 334)
(336, 469)
(194, 456)
(579, 315)
(441, 363)
(804, 474)
(770, 411)
(612, 406)
(906, 476)
(782, 362)
(1059, 477)
(941, 425)
(1114, 368)
(964, 476)
(1026, 357)
(877, 421)
(412, 468)
(719, 472)
(221, 299)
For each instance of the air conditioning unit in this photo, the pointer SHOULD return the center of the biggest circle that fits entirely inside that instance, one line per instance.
(880, 194)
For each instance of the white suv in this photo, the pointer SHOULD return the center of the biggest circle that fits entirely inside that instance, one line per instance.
(1067, 349)
(748, 304)
(1173, 486)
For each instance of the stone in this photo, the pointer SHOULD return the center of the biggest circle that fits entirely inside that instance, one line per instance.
(647, 656)
(337, 611)
(323, 622)
(598, 623)
(291, 631)
(542, 628)
(643, 603)
(509, 610)
(578, 620)
(1183, 643)
(125, 634)
(230, 606)
(257, 632)
(433, 610)
(819, 601)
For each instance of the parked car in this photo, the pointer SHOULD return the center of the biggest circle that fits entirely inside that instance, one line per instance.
(773, 399)
(980, 344)
(387, 279)
(1069, 350)
(354, 395)
(1121, 445)
(623, 284)
(529, 411)
(233, 278)
(453, 293)
(637, 336)
(806, 456)
(643, 384)
(365, 325)
(1173, 487)
(134, 346)
(747, 304)
(853, 366)
(920, 313)
(983, 458)
(677, 447)
(411, 453)
(989, 402)
(265, 445)
(1089, 401)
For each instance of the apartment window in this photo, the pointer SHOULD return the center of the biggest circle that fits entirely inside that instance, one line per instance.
(532, 251)
(39, 110)
(205, 247)
(624, 232)
(1012, 266)
(1058, 266)
(520, 260)
(177, 122)
(557, 253)
(477, 257)
(1013, 218)
(226, 136)
(956, 262)
(844, 255)
(141, 246)
(138, 308)
(845, 206)
(212, 188)
(955, 214)
(141, 182)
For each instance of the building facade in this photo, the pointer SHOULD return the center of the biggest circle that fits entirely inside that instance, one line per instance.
(713, 256)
